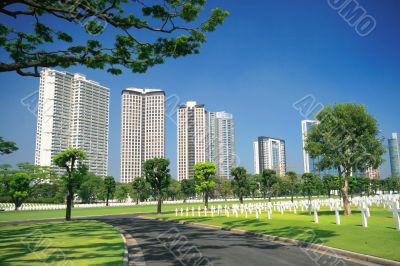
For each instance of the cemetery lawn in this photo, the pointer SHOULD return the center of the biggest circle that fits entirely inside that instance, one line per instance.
(61, 243)
(380, 239)
(10, 216)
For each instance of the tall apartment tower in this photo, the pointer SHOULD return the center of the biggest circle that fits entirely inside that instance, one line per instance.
(394, 154)
(272, 155)
(256, 158)
(220, 142)
(142, 130)
(191, 138)
(72, 112)
(309, 163)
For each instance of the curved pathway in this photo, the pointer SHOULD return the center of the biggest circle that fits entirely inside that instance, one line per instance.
(169, 243)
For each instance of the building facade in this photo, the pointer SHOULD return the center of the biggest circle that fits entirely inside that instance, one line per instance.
(220, 142)
(72, 112)
(142, 130)
(191, 140)
(394, 154)
(309, 163)
(272, 155)
(256, 159)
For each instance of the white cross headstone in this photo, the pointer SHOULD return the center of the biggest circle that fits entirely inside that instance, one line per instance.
(396, 214)
(198, 211)
(269, 209)
(181, 211)
(245, 213)
(187, 211)
(363, 209)
(176, 211)
(336, 208)
(316, 214)
(205, 210)
(192, 211)
(256, 213)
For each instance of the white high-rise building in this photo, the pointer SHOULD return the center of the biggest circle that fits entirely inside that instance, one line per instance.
(256, 158)
(72, 112)
(142, 130)
(309, 163)
(271, 155)
(220, 142)
(191, 138)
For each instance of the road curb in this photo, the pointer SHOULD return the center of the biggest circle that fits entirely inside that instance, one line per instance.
(288, 241)
(126, 254)
(137, 257)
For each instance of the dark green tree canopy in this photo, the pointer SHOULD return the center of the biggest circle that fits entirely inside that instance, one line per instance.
(171, 29)
(346, 139)
(7, 147)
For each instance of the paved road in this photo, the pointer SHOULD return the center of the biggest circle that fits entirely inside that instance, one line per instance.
(168, 243)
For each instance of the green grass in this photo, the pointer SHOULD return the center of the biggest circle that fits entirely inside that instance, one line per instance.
(97, 211)
(61, 243)
(380, 238)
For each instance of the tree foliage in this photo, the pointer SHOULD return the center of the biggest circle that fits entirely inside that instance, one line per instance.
(91, 189)
(240, 182)
(292, 180)
(72, 161)
(7, 147)
(141, 189)
(121, 192)
(204, 176)
(346, 139)
(267, 179)
(188, 188)
(17, 186)
(173, 30)
(109, 185)
(157, 174)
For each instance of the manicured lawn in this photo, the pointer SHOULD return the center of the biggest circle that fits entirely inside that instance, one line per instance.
(87, 212)
(380, 238)
(61, 243)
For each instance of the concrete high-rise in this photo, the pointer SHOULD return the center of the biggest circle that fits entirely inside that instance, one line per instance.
(191, 140)
(142, 130)
(271, 155)
(394, 154)
(256, 159)
(309, 163)
(72, 112)
(220, 142)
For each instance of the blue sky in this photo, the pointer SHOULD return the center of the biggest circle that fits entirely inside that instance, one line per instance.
(268, 55)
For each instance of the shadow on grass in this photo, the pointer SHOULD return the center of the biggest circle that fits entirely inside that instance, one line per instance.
(39, 243)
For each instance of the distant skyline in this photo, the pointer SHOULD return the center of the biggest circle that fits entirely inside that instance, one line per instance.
(267, 56)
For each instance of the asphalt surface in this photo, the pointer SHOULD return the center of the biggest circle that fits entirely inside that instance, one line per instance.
(169, 243)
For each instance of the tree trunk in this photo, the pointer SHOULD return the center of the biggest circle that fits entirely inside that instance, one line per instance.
(292, 195)
(241, 199)
(108, 196)
(70, 196)
(159, 203)
(17, 204)
(206, 199)
(346, 201)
